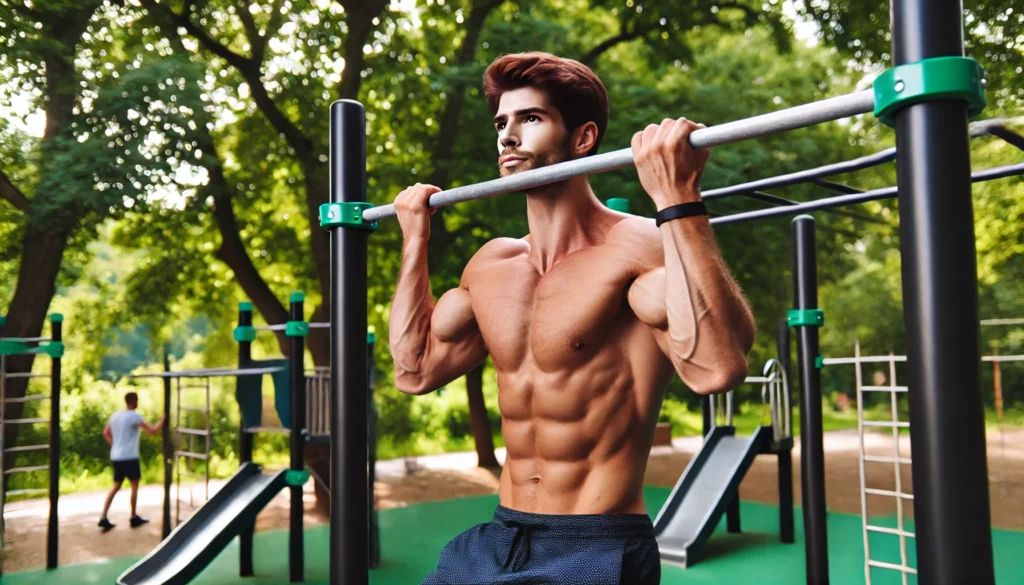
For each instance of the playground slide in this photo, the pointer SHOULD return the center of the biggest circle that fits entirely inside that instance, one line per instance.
(702, 494)
(198, 540)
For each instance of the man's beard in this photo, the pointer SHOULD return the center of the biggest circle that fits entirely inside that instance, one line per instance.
(553, 156)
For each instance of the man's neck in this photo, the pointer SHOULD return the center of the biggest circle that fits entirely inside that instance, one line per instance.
(563, 218)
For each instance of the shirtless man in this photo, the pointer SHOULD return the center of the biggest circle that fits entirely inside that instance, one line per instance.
(586, 319)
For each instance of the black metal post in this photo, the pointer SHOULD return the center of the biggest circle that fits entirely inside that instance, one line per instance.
(296, 553)
(785, 453)
(245, 446)
(56, 335)
(705, 415)
(168, 451)
(940, 311)
(371, 378)
(812, 450)
(349, 514)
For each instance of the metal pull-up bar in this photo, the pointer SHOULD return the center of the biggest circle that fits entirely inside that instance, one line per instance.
(801, 116)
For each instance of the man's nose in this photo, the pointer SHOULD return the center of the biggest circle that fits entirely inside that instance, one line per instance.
(509, 140)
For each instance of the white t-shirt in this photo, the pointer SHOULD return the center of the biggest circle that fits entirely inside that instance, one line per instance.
(124, 426)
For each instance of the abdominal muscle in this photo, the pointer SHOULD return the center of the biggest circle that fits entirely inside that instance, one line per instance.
(576, 442)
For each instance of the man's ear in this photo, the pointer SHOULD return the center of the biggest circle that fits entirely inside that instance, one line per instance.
(584, 138)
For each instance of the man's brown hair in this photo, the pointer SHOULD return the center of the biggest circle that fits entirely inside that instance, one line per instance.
(131, 398)
(574, 90)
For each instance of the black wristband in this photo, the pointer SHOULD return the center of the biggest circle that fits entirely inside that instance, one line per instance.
(679, 211)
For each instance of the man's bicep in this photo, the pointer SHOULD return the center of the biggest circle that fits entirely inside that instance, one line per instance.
(646, 297)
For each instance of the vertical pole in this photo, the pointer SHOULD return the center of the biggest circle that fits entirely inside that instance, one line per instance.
(705, 414)
(56, 336)
(168, 450)
(296, 554)
(785, 453)
(812, 450)
(371, 340)
(940, 311)
(349, 515)
(997, 386)
(245, 444)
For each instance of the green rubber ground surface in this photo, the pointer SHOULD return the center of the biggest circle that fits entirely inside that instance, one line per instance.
(413, 537)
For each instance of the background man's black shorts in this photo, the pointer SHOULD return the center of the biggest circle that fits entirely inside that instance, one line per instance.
(127, 469)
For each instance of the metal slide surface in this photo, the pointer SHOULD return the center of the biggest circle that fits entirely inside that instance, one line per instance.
(702, 494)
(198, 540)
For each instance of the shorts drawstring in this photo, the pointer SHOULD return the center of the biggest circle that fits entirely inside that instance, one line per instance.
(519, 552)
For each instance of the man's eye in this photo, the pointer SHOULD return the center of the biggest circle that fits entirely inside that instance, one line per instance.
(532, 118)
(499, 126)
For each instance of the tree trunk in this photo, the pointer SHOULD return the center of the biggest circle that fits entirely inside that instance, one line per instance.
(478, 418)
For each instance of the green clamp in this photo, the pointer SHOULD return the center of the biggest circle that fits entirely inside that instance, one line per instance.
(244, 333)
(345, 214)
(618, 204)
(930, 79)
(14, 348)
(296, 329)
(805, 318)
(54, 349)
(245, 306)
(296, 477)
(819, 362)
(56, 318)
(371, 337)
(297, 297)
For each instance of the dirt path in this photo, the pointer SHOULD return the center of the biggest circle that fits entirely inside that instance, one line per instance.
(404, 482)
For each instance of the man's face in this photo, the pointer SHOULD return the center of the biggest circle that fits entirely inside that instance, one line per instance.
(531, 132)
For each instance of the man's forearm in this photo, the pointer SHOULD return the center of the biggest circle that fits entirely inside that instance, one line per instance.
(411, 307)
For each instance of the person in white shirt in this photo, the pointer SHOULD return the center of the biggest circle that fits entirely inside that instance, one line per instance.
(122, 434)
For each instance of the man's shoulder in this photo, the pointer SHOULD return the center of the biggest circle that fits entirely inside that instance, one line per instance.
(497, 250)
(641, 237)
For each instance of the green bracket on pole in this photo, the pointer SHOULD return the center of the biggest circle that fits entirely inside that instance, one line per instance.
(819, 362)
(244, 333)
(805, 318)
(371, 337)
(297, 297)
(345, 214)
(54, 349)
(245, 306)
(296, 329)
(618, 204)
(14, 348)
(3, 320)
(296, 477)
(930, 79)
(56, 318)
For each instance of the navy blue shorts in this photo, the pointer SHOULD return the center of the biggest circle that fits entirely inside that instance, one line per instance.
(540, 549)
(127, 469)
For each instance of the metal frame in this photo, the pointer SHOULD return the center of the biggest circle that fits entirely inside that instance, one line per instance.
(940, 304)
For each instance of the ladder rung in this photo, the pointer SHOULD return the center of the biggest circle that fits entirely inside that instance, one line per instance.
(886, 423)
(883, 565)
(876, 459)
(26, 492)
(890, 493)
(186, 431)
(884, 388)
(29, 398)
(14, 470)
(885, 530)
(267, 430)
(27, 448)
(194, 409)
(26, 421)
(191, 455)
(25, 375)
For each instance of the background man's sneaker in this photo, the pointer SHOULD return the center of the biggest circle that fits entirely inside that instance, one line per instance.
(105, 524)
(136, 522)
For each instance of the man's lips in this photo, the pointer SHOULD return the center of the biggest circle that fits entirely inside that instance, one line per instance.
(510, 160)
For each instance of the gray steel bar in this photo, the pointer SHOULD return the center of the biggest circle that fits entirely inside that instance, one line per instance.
(843, 200)
(766, 124)
(210, 373)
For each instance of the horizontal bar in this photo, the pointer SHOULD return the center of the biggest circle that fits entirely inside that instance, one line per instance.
(886, 423)
(990, 322)
(29, 398)
(843, 200)
(197, 432)
(1003, 358)
(26, 421)
(893, 531)
(27, 448)
(890, 493)
(28, 491)
(883, 388)
(867, 359)
(267, 430)
(25, 339)
(800, 116)
(884, 565)
(877, 459)
(279, 327)
(210, 373)
(191, 455)
(13, 375)
(755, 380)
(14, 470)
(319, 325)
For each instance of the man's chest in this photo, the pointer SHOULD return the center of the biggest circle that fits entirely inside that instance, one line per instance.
(560, 317)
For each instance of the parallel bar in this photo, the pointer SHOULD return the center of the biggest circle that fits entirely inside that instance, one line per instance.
(893, 531)
(24, 375)
(938, 254)
(812, 460)
(990, 322)
(1003, 358)
(871, 359)
(27, 448)
(29, 398)
(878, 459)
(319, 325)
(890, 493)
(277, 327)
(280, 430)
(349, 551)
(192, 455)
(26, 339)
(26, 421)
(843, 200)
(199, 432)
(14, 470)
(895, 567)
(210, 373)
(764, 125)
(884, 388)
(886, 424)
